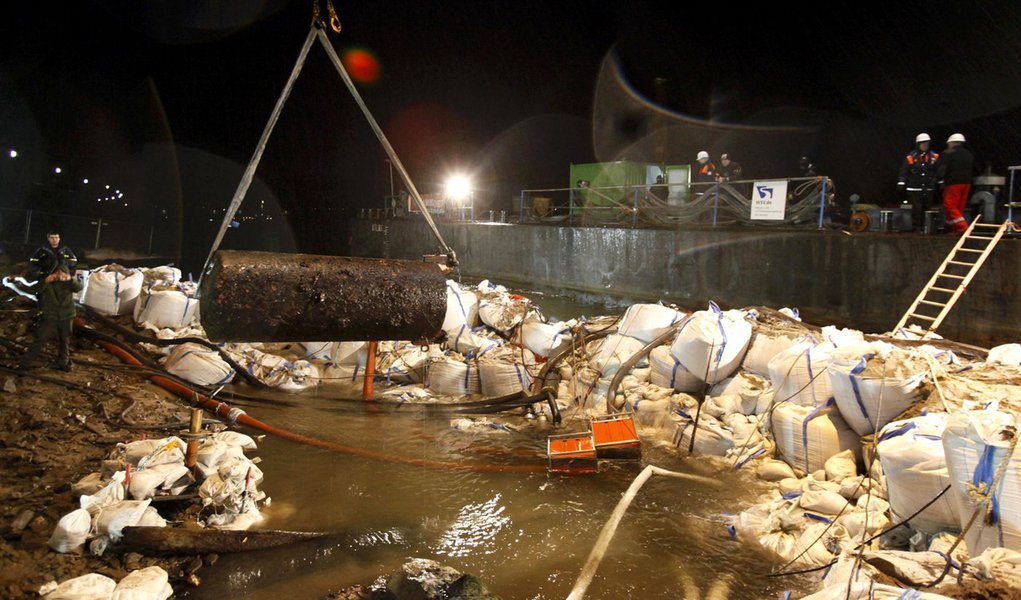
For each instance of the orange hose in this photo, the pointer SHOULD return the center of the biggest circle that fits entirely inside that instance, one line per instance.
(223, 410)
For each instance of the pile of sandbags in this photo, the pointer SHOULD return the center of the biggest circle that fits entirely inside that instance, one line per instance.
(453, 375)
(500, 310)
(646, 322)
(807, 436)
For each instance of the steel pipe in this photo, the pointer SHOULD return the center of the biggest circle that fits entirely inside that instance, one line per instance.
(270, 297)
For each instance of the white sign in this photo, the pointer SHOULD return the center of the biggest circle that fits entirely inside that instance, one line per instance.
(769, 200)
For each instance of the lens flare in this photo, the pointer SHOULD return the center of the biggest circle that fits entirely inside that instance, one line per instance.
(361, 64)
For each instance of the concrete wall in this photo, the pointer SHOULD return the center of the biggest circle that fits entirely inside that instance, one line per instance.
(865, 280)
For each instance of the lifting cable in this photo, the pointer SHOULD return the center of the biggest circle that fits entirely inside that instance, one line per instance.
(317, 30)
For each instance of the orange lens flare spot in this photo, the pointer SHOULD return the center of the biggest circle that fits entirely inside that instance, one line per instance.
(362, 65)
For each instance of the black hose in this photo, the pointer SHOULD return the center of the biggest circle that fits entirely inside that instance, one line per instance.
(611, 393)
(138, 338)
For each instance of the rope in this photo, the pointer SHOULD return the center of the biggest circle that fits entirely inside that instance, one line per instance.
(325, 43)
(246, 179)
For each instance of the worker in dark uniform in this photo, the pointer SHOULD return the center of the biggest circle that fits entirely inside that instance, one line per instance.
(918, 178)
(954, 174)
(660, 189)
(52, 255)
(55, 294)
(729, 170)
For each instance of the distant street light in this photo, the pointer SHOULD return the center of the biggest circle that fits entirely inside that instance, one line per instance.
(85, 181)
(56, 170)
(14, 153)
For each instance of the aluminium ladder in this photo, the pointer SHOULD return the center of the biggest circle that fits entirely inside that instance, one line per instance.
(960, 266)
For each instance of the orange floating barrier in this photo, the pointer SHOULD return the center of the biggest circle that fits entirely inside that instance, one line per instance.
(616, 437)
(572, 453)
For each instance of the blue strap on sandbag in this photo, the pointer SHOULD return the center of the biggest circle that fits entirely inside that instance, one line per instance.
(854, 385)
(819, 518)
(804, 427)
(898, 431)
(983, 477)
(749, 458)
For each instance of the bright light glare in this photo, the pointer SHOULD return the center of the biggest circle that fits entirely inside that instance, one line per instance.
(458, 187)
(56, 170)
(85, 181)
(14, 154)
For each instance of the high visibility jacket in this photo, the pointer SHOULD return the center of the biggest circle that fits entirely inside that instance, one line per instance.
(706, 172)
(46, 259)
(918, 171)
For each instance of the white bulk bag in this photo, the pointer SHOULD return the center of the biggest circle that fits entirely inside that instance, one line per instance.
(711, 343)
(501, 311)
(112, 289)
(669, 373)
(150, 583)
(506, 373)
(616, 349)
(166, 306)
(199, 365)
(763, 347)
(462, 307)
(544, 339)
(799, 374)
(647, 322)
(867, 400)
(806, 436)
(975, 444)
(452, 377)
(911, 452)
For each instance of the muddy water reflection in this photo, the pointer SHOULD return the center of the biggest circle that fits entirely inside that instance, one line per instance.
(526, 535)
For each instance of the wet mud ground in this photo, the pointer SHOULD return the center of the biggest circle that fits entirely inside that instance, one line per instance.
(55, 428)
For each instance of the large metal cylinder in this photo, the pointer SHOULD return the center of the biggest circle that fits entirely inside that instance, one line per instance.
(269, 297)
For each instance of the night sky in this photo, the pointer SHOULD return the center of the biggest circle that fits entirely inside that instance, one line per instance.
(166, 99)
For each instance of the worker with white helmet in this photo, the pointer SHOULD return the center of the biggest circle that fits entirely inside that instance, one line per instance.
(918, 177)
(954, 174)
(704, 170)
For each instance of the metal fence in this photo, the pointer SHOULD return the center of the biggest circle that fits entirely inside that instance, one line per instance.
(809, 201)
(28, 226)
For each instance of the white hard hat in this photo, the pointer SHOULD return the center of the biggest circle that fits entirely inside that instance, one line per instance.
(922, 137)
(703, 155)
(957, 137)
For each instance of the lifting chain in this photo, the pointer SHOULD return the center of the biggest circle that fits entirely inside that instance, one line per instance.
(317, 19)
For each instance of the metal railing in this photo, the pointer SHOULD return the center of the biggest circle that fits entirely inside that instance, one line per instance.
(808, 201)
(28, 226)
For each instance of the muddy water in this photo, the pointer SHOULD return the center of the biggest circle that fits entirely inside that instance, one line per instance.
(526, 535)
